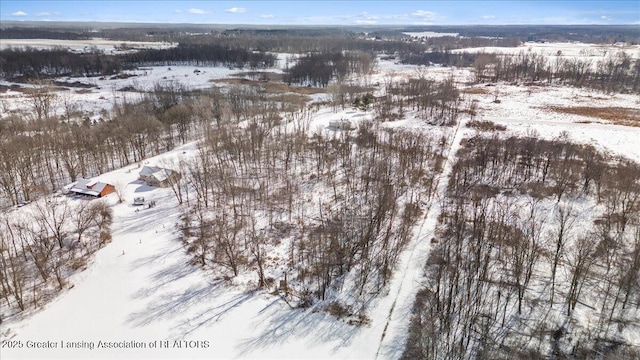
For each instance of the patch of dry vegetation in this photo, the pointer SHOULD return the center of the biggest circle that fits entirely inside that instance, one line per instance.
(39, 90)
(616, 115)
(273, 87)
(485, 125)
(476, 91)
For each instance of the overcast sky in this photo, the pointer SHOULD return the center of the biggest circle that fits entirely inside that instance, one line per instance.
(370, 12)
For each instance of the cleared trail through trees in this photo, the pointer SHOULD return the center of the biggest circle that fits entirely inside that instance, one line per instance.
(406, 282)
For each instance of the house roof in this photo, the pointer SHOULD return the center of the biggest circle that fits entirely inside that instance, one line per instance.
(149, 170)
(156, 172)
(88, 187)
(161, 175)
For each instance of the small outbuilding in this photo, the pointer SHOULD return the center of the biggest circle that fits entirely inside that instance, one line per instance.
(92, 188)
(341, 124)
(157, 176)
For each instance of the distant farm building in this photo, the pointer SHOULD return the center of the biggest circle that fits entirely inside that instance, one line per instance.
(91, 188)
(341, 124)
(157, 176)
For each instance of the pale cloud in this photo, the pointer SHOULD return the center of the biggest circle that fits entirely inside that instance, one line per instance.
(365, 22)
(177, 11)
(365, 15)
(43, 14)
(488, 17)
(424, 14)
(606, 18)
(19, 13)
(266, 16)
(236, 10)
(196, 11)
(418, 17)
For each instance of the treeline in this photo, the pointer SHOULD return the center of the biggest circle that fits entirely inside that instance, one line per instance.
(40, 33)
(537, 255)
(41, 248)
(298, 44)
(446, 58)
(617, 72)
(29, 63)
(445, 43)
(318, 69)
(201, 55)
(589, 34)
(343, 205)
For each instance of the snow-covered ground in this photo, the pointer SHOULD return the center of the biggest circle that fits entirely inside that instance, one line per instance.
(428, 34)
(526, 110)
(563, 50)
(100, 93)
(108, 46)
(140, 287)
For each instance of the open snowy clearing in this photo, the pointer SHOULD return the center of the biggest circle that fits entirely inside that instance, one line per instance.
(428, 34)
(564, 50)
(97, 94)
(108, 46)
(528, 110)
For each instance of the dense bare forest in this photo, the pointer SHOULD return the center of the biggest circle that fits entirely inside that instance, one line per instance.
(536, 251)
(346, 204)
(534, 234)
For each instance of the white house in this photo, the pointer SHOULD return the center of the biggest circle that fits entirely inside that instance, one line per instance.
(157, 176)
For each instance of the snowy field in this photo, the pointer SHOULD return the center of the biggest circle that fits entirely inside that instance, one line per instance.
(428, 34)
(567, 50)
(94, 95)
(527, 110)
(108, 46)
(140, 288)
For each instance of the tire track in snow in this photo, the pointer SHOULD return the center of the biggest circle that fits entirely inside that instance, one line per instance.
(406, 284)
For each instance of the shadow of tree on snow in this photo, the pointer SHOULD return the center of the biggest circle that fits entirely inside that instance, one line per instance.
(284, 323)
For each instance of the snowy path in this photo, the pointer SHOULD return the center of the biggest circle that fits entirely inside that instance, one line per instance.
(406, 283)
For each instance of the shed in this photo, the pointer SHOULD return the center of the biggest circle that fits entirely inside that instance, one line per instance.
(92, 188)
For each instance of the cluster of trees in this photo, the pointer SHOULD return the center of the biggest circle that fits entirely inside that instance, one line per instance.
(343, 205)
(39, 251)
(40, 151)
(447, 58)
(43, 33)
(617, 72)
(29, 63)
(435, 102)
(201, 55)
(537, 254)
(318, 69)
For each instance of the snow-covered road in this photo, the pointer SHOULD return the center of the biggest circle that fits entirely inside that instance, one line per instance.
(409, 277)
